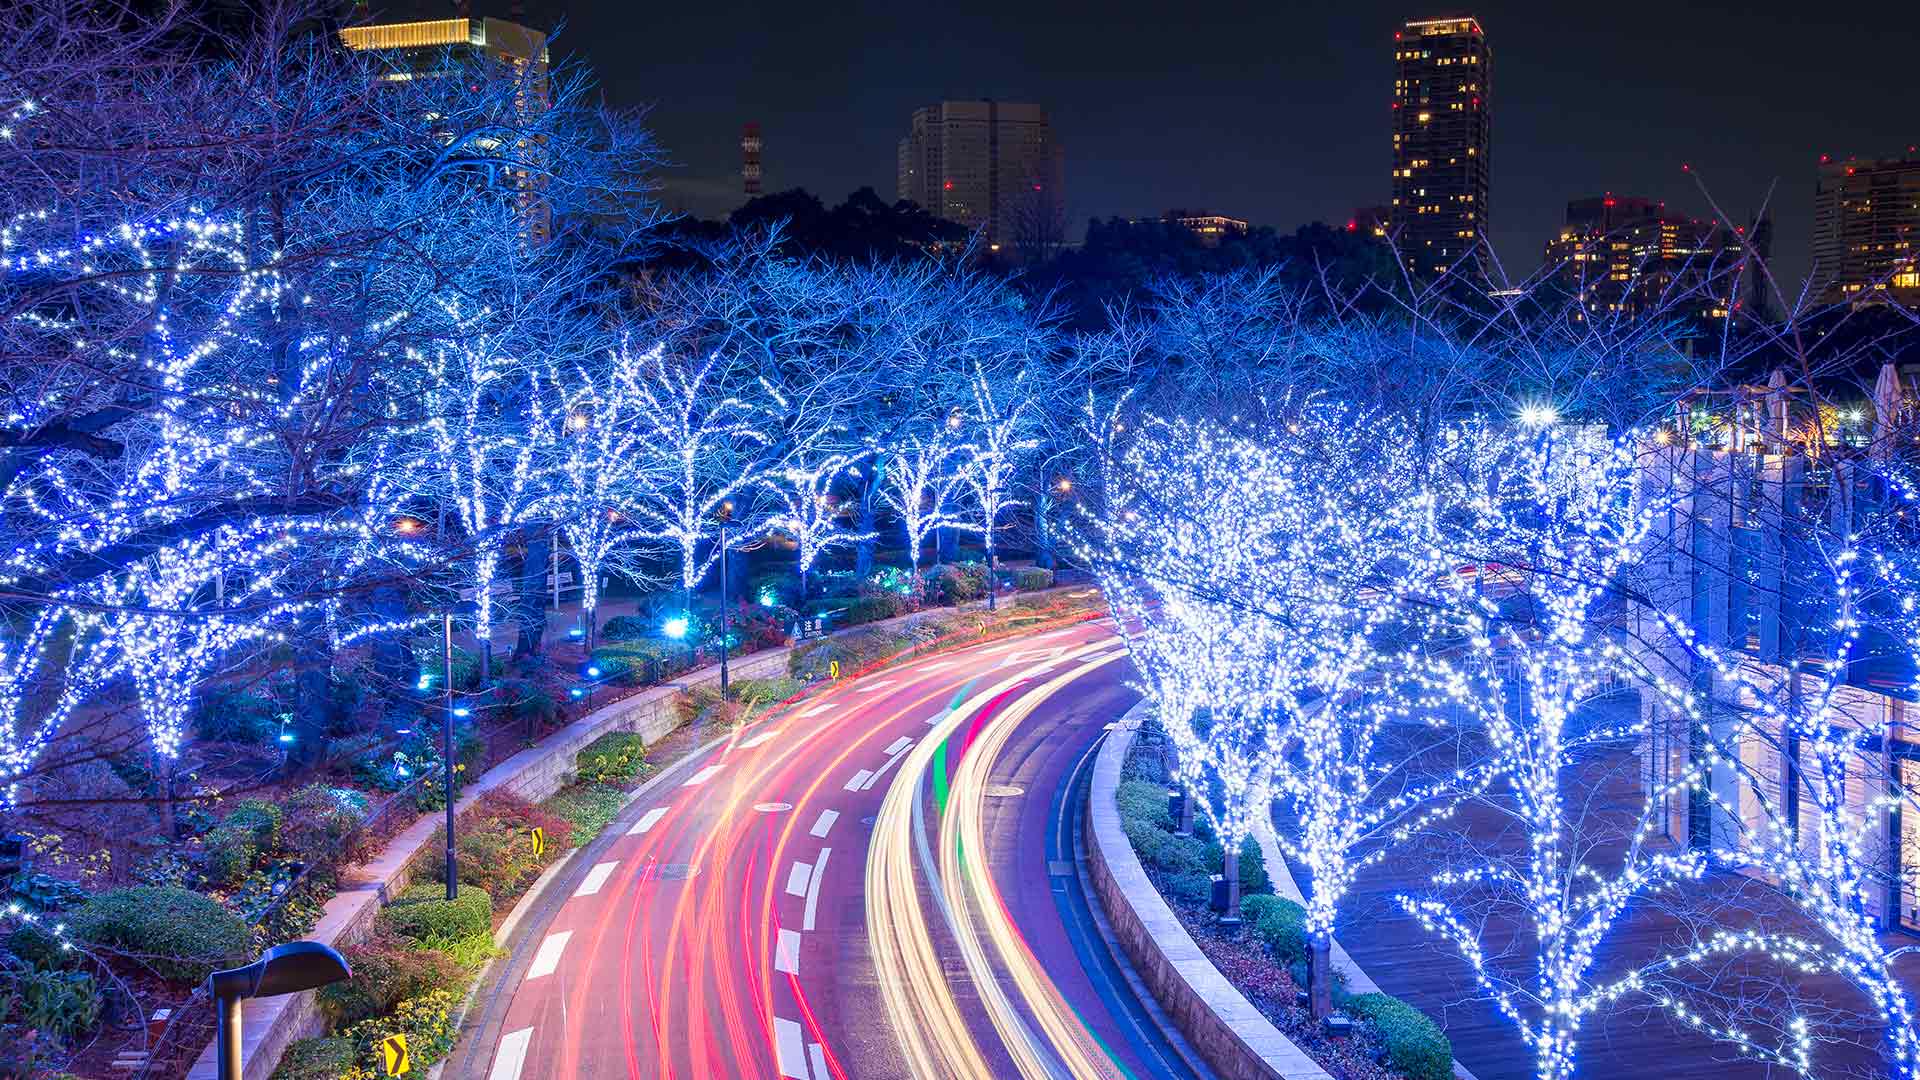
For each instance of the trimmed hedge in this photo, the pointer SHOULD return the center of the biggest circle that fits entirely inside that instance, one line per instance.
(1033, 579)
(1416, 1047)
(625, 628)
(1281, 925)
(424, 911)
(184, 936)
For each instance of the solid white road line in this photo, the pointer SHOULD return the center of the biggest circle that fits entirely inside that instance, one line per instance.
(898, 744)
(819, 1058)
(859, 779)
(702, 776)
(547, 960)
(790, 1048)
(512, 1055)
(647, 820)
(758, 739)
(797, 878)
(786, 952)
(813, 888)
(595, 878)
(827, 818)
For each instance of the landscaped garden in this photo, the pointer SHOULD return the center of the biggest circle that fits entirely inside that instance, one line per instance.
(1266, 954)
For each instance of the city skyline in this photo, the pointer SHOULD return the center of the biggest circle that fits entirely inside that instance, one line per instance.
(1280, 118)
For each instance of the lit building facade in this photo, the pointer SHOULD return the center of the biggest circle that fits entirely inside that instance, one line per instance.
(1866, 230)
(1440, 143)
(1627, 256)
(1211, 229)
(419, 49)
(994, 167)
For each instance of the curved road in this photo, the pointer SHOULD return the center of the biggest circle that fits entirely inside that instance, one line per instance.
(875, 882)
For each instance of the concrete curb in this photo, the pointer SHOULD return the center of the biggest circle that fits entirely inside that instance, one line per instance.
(1233, 1037)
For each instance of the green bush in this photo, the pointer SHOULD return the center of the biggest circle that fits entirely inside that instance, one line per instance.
(321, 824)
(625, 628)
(874, 608)
(182, 935)
(764, 692)
(529, 704)
(1280, 925)
(61, 1003)
(956, 583)
(854, 650)
(590, 808)
(426, 1021)
(1416, 1047)
(430, 654)
(37, 948)
(494, 846)
(614, 758)
(1191, 888)
(638, 663)
(424, 911)
(1143, 801)
(261, 816)
(329, 1058)
(387, 969)
(1033, 579)
(230, 851)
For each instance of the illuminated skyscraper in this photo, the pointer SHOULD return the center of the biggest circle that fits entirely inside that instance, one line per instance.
(1440, 143)
(419, 49)
(750, 159)
(1866, 230)
(991, 166)
(1627, 256)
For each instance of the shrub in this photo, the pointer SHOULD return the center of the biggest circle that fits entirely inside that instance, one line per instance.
(1191, 888)
(528, 703)
(61, 1003)
(235, 714)
(1033, 579)
(430, 654)
(39, 949)
(229, 851)
(321, 822)
(387, 969)
(1416, 1047)
(638, 663)
(614, 758)
(493, 844)
(424, 911)
(854, 650)
(426, 1021)
(763, 692)
(317, 1059)
(182, 935)
(1143, 801)
(259, 815)
(886, 605)
(1280, 925)
(956, 583)
(625, 628)
(589, 808)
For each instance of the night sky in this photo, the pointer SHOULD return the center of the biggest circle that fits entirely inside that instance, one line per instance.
(1276, 113)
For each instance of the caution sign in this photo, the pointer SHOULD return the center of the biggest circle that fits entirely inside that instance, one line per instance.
(833, 669)
(393, 1054)
(539, 841)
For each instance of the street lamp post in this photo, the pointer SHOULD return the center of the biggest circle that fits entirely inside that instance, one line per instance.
(726, 620)
(449, 712)
(283, 969)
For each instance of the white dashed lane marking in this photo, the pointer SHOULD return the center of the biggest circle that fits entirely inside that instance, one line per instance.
(873, 688)
(827, 818)
(819, 1058)
(820, 708)
(797, 878)
(547, 960)
(899, 744)
(859, 780)
(647, 821)
(512, 1055)
(595, 878)
(702, 776)
(790, 1049)
(786, 952)
(749, 744)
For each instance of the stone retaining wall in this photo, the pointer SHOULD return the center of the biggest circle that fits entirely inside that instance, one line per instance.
(1235, 1038)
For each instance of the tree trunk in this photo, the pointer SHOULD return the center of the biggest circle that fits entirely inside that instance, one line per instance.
(530, 601)
(863, 551)
(1230, 869)
(1186, 814)
(312, 704)
(946, 546)
(1042, 532)
(1320, 977)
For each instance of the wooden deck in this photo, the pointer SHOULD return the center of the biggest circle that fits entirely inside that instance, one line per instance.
(1627, 1042)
